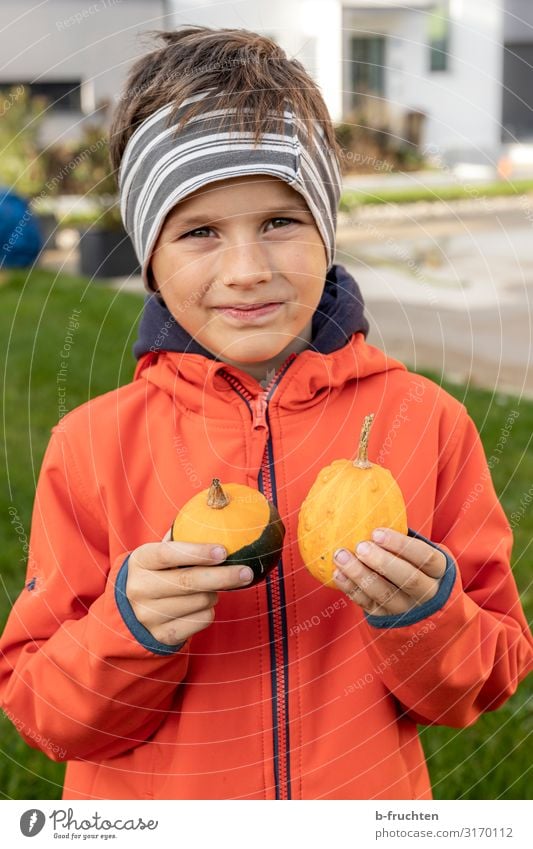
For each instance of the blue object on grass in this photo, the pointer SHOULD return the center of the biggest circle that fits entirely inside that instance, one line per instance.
(20, 237)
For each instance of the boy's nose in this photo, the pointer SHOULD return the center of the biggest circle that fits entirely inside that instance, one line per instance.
(245, 263)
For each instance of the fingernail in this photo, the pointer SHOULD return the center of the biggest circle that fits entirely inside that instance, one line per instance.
(246, 574)
(340, 577)
(379, 535)
(218, 552)
(342, 556)
(363, 548)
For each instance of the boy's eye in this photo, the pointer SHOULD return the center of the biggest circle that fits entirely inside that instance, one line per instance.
(290, 220)
(198, 230)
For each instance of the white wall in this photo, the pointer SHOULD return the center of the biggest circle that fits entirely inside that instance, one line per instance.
(308, 30)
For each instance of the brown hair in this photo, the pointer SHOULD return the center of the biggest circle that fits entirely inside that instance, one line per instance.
(253, 70)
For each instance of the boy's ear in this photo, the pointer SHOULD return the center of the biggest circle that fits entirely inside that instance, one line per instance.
(153, 286)
(152, 283)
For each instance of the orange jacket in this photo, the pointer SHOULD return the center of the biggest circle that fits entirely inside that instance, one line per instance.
(292, 692)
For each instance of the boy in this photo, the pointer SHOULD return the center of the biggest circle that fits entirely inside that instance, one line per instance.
(253, 367)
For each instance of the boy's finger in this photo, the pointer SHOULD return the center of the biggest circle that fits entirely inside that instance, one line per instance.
(410, 579)
(158, 611)
(169, 555)
(380, 591)
(196, 579)
(425, 557)
(167, 536)
(179, 630)
(353, 591)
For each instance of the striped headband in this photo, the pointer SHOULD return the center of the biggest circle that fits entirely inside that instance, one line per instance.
(159, 169)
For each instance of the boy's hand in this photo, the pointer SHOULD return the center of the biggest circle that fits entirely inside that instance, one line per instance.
(175, 603)
(396, 573)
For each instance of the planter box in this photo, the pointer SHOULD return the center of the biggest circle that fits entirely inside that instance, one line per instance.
(47, 224)
(107, 253)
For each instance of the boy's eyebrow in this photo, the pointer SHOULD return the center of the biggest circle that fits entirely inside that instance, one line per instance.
(199, 218)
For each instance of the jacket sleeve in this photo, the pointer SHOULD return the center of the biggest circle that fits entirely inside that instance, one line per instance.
(74, 679)
(465, 651)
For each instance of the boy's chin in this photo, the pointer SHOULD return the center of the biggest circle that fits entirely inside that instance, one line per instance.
(252, 351)
(270, 349)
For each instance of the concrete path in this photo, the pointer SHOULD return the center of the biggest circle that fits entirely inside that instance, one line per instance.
(482, 347)
(454, 295)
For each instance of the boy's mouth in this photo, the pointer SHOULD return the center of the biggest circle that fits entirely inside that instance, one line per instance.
(249, 311)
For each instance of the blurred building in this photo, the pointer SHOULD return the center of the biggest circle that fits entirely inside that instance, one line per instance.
(517, 114)
(442, 59)
(458, 72)
(460, 67)
(75, 52)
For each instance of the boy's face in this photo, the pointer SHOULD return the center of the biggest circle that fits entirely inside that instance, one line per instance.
(242, 251)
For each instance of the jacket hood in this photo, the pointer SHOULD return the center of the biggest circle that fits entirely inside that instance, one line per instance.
(172, 360)
(339, 314)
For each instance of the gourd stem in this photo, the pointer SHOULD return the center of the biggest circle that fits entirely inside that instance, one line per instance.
(362, 461)
(216, 497)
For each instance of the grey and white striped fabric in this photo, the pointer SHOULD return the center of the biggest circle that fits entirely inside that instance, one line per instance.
(159, 169)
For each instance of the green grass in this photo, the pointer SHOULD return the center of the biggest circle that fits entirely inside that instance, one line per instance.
(487, 761)
(352, 199)
(492, 759)
(34, 323)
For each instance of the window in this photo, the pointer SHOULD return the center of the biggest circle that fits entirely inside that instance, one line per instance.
(62, 96)
(366, 68)
(439, 37)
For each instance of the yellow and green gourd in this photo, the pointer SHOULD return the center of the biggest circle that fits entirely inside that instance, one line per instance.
(239, 518)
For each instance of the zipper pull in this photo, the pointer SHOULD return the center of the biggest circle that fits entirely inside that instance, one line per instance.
(259, 407)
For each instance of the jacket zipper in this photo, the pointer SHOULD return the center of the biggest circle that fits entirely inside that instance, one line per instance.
(275, 586)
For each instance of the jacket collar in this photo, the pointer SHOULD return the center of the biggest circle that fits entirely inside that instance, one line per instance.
(204, 387)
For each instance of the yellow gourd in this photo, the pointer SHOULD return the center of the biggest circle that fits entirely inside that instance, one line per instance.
(348, 500)
(237, 517)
